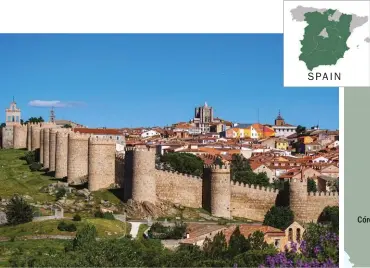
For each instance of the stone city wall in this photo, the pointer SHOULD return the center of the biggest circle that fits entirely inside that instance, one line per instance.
(251, 201)
(179, 188)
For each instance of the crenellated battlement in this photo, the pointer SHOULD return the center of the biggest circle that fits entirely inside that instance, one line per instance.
(179, 174)
(140, 149)
(253, 186)
(323, 193)
(294, 180)
(21, 126)
(48, 124)
(101, 141)
(32, 124)
(218, 168)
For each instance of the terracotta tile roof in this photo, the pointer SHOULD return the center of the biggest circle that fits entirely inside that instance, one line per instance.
(248, 229)
(197, 230)
(98, 131)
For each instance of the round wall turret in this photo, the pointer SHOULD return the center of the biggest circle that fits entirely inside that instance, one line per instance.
(42, 146)
(143, 180)
(52, 144)
(61, 154)
(29, 136)
(20, 136)
(35, 137)
(220, 191)
(78, 148)
(46, 147)
(298, 198)
(102, 154)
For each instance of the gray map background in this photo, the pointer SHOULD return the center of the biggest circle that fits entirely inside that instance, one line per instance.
(356, 179)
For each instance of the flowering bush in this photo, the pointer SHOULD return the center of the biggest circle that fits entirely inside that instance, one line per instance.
(321, 249)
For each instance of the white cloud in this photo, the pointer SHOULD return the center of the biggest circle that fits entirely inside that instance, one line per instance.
(54, 103)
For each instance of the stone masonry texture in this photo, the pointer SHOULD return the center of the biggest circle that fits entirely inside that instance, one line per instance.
(143, 180)
(42, 146)
(78, 147)
(250, 201)
(170, 187)
(29, 135)
(61, 155)
(20, 137)
(102, 157)
(52, 144)
(7, 136)
(35, 137)
(46, 147)
(220, 191)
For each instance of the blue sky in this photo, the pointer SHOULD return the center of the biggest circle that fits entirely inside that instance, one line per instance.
(145, 80)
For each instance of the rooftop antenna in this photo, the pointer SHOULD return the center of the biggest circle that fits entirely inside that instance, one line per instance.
(13, 99)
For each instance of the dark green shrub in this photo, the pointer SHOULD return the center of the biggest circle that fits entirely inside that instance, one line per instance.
(105, 215)
(71, 228)
(108, 216)
(279, 217)
(76, 217)
(63, 226)
(35, 166)
(30, 157)
(61, 192)
(18, 211)
(98, 214)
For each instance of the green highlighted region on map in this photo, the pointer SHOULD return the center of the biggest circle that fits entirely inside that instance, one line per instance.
(325, 37)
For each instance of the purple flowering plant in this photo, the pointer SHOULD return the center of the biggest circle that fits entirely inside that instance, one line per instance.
(319, 249)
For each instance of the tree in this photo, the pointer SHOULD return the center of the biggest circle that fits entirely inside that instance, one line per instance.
(300, 130)
(218, 161)
(35, 120)
(217, 247)
(238, 243)
(241, 171)
(256, 241)
(330, 215)
(85, 236)
(279, 217)
(183, 163)
(2, 125)
(67, 126)
(18, 211)
(311, 186)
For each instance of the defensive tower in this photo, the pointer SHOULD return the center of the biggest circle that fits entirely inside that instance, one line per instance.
(78, 147)
(61, 154)
(52, 145)
(35, 136)
(20, 137)
(143, 168)
(220, 191)
(46, 147)
(298, 198)
(102, 154)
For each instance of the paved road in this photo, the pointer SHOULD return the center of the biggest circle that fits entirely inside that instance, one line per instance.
(134, 228)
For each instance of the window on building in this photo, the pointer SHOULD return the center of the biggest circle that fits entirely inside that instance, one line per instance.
(298, 234)
(290, 234)
(277, 243)
(9, 118)
(17, 119)
(118, 138)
